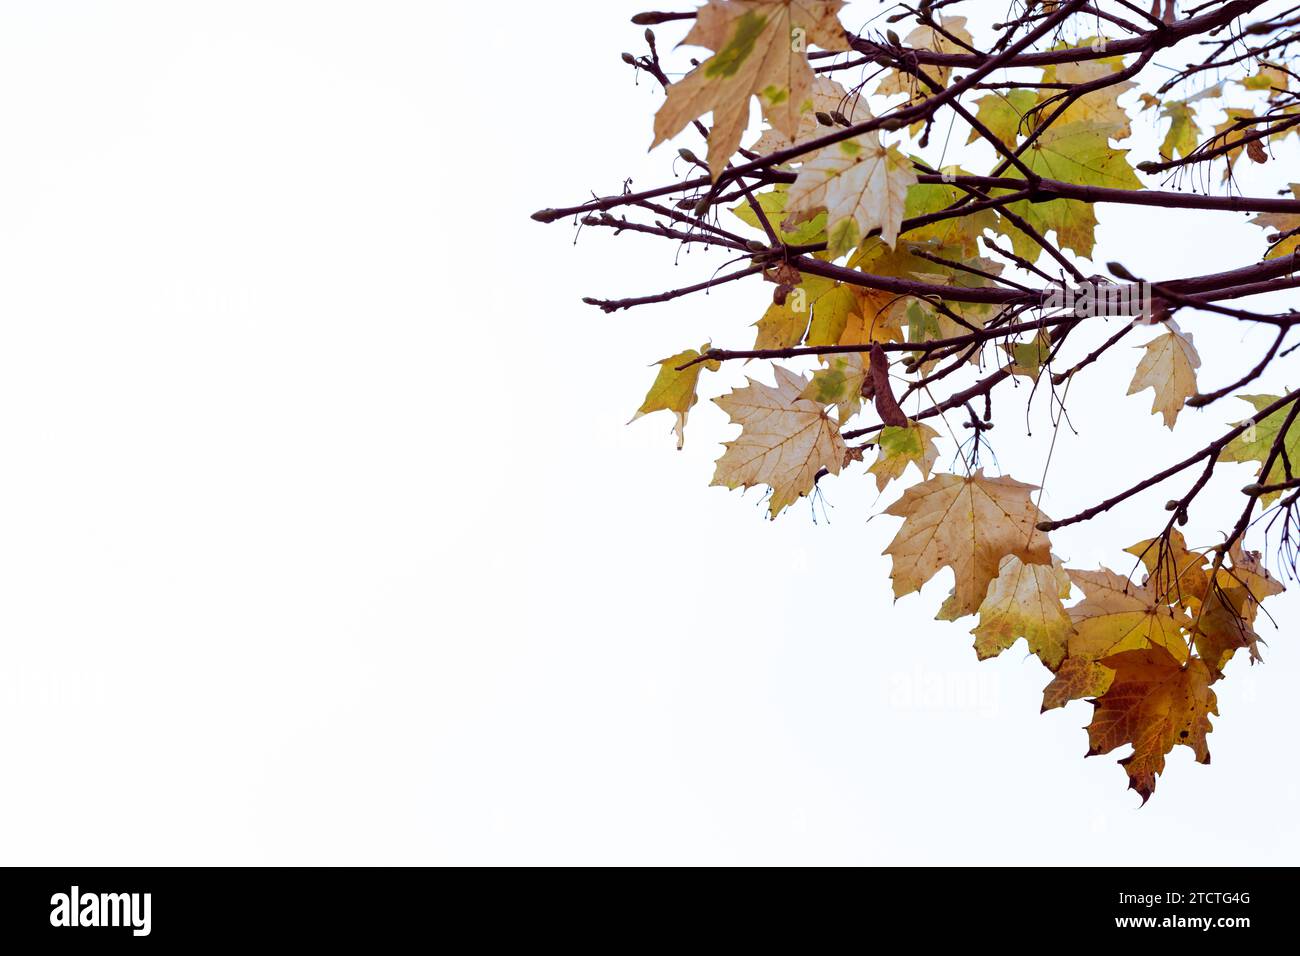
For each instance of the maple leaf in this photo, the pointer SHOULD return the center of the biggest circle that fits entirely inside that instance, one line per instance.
(839, 383)
(877, 318)
(827, 97)
(1184, 134)
(1002, 114)
(1079, 153)
(1269, 77)
(1075, 679)
(926, 323)
(956, 238)
(1176, 574)
(784, 440)
(968, 525)
(1247, 570)
(1154, 702)
(1284, 223)
(861, 184)
(928, 38)
(773, 203)
(760, 51)
(1100, 107)
(1025, 600)
(1222, 628)
(1117, 615)
(900, 446)
(1030, 358)
(824, 301)
(1222, 612)
(1225, 622)
(1254, 444)
(1281, 113)
(674, 390)
(1169, 367)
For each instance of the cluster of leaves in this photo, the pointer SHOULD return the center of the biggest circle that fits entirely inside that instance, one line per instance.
(895, 275)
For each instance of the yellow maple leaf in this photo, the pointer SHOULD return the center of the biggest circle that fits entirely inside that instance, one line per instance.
(958, 236)
(1100, 107)
(1025, 600)
(785, 440)
(1076, 679)
(1115, 615)
(761, 50)
(823, 301)
(1283, 222)
(1182, 136)
(1029, 358)
(928, 38)
(1175, 573)
(968, 525)
(1184, 133)
(1225, 623)
(1169, 366)
(1269, 77)
(674, 390)
(1256, 444)
(878, 318)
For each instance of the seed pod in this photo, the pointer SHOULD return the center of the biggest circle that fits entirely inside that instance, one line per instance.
(787, 274)
(886, 405)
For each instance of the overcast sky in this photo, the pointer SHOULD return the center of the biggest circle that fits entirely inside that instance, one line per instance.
(323, 537)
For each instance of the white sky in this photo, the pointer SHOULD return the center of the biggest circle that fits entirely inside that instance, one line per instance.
(323, 538)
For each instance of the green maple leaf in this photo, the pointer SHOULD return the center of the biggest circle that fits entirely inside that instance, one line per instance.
(1255, 443)
(674, 391)
(773, 204)
(1001, 113)
(1079, 153)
